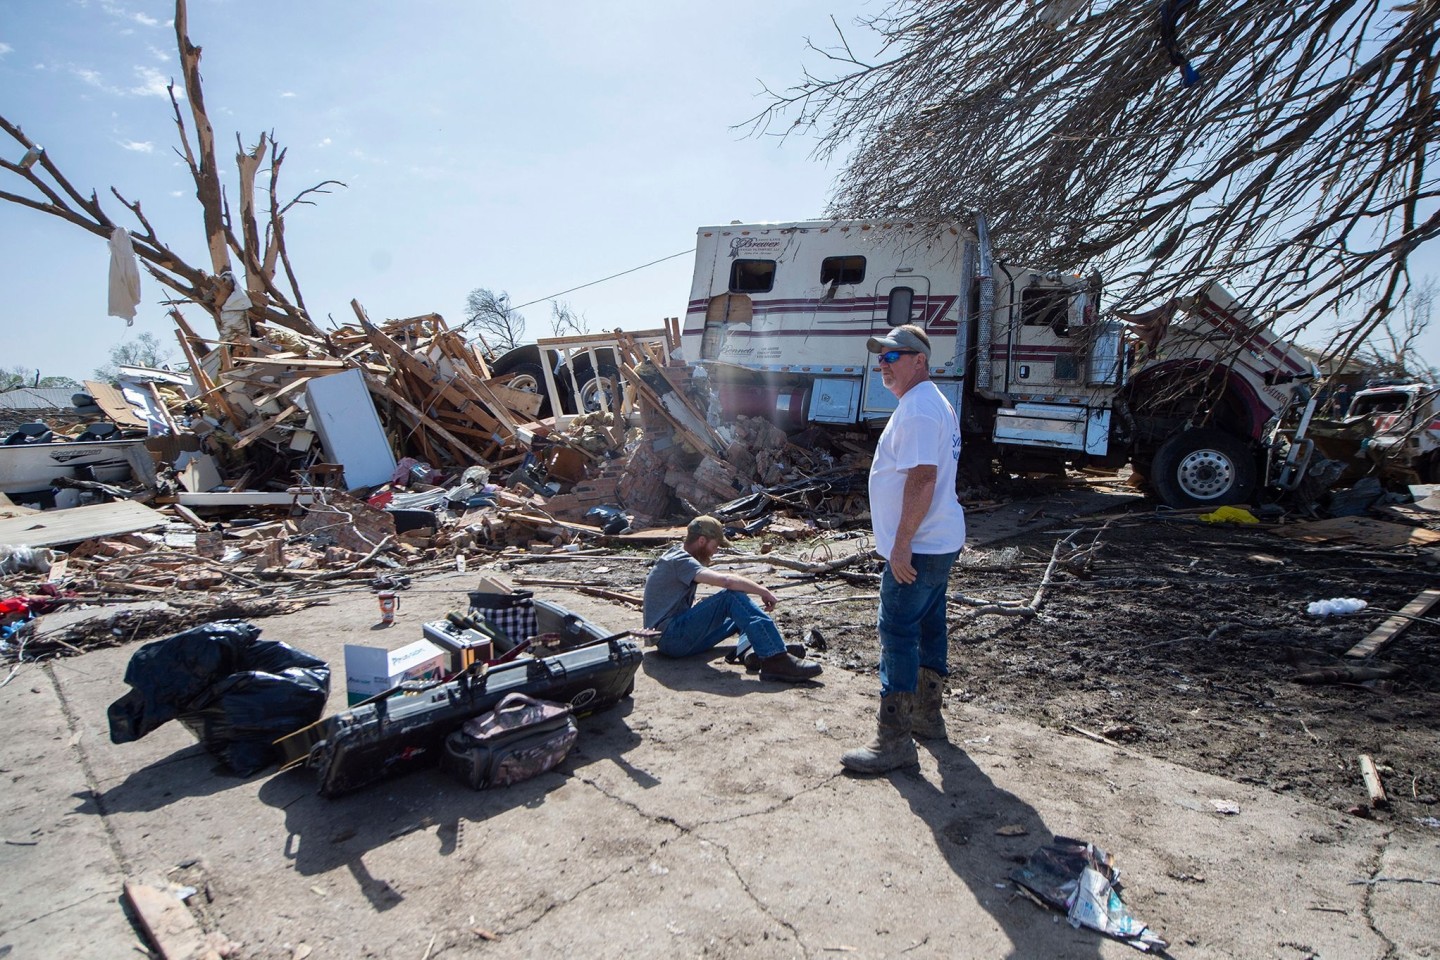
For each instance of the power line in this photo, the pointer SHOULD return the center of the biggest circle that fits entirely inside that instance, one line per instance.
(603, 279)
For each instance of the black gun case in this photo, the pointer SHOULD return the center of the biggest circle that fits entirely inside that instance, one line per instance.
(405, 729)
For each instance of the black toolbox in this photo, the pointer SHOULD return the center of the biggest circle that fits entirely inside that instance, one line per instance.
(405, 729)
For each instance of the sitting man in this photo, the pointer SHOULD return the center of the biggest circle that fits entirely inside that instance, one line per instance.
(686, 627)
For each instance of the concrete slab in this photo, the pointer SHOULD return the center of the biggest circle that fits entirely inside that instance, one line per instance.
(708, 816)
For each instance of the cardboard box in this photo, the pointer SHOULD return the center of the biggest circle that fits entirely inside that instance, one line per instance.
(372, 670)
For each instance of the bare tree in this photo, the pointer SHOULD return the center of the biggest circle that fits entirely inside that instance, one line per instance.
(229, 232)
(1391, 348)
(1282, 147)
(142, 351)
(489, 316)
(564, 321)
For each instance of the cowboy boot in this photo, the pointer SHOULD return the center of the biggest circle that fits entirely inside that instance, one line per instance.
(752, 659)
(892, 746)
(928, 722)
(787, 668)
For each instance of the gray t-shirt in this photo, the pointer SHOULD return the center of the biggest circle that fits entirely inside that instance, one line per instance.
(670, 588)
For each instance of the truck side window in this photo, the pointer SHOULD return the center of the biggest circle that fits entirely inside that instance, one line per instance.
(842, 270)
(901, 300)
(1046, 307)
(752, 276)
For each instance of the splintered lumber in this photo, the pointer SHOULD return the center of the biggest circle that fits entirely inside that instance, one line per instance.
(452, 391)
(168, 922)
(1371, 776)
(311, 363)
(1392, 628)
(804, 566)
(683, 432)
(581, 586)
(422, 420)
(254, 433)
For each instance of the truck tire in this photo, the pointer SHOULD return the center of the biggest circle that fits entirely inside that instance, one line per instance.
(1203, 468)
(528, 378)
(593, 384)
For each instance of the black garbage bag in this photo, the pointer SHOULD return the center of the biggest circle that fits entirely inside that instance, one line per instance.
(235, 692)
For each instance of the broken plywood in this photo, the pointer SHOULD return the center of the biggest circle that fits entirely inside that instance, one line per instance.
(1363, 530)
(56, 527)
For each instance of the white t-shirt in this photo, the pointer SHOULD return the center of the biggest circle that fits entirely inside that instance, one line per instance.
(922, 430)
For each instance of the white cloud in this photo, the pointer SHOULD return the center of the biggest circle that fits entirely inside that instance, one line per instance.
(284, 96)
(144, 21)
(5, 48)
(137, 146)
(324, 143)
(92, 77)
(152, 83)
(160, 55)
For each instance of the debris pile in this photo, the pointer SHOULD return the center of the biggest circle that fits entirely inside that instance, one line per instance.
(284, 462)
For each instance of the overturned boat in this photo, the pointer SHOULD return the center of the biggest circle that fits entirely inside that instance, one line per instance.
(33, 458)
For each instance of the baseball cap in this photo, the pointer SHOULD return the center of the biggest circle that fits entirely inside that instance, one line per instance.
(706, 526)
(907, 337)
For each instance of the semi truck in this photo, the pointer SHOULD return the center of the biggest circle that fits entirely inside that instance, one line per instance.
(1207, 405)
(1391, 430)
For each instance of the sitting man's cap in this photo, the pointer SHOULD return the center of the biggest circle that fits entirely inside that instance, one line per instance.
(707, 527)
(908, 337)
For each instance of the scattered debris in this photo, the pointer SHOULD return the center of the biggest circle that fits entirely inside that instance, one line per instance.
(1080, 878)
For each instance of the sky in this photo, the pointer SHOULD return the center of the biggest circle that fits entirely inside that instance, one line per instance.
(528, 147)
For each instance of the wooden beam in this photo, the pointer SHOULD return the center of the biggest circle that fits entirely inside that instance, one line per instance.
(169, 924)
(1396, 625)
(1371, 775)
(303, 362)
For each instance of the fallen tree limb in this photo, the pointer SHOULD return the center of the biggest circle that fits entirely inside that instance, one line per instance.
(1077, 561)
(804, 566)
(1348, 674)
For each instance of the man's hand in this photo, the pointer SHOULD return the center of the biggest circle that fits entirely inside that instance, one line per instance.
(900, 567)
(768, 599)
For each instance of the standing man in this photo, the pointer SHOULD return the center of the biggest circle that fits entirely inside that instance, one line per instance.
(919, 530)
(686, 629)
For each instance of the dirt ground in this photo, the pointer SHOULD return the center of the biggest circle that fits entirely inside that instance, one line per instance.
(1179, 639)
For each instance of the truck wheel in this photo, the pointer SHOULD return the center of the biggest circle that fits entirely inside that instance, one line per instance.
(1203, 468)
(529, 378)
(593, 385)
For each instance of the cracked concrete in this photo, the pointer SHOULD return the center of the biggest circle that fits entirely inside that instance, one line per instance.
(707, 817)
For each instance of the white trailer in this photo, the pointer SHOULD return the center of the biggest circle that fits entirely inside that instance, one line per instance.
(779, 314)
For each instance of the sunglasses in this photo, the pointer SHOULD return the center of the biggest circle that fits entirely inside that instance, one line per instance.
(890, 356)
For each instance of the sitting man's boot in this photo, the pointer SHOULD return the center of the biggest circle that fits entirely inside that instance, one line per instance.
(928, 722)
(752, 659)
(785, 667)
(892, 746)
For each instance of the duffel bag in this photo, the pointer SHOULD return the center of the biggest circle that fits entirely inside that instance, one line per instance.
(521, 738)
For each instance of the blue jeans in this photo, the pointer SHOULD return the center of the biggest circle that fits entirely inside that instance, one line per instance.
(912, 623)
(717, 617)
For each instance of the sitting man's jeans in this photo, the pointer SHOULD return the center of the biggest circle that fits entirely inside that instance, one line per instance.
(717, 617)
(912, 623)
